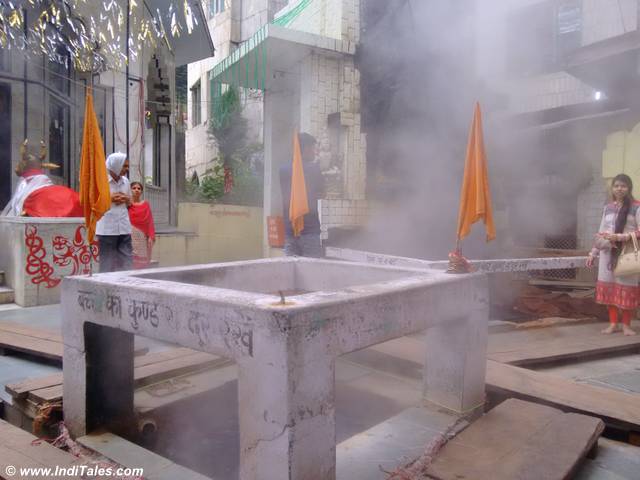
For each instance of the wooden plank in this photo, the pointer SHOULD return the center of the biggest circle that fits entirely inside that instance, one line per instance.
(35, 332)
(28, 344)
(531, 346)
(518, 440)
(614, 407)
(39, 342)
(150, 399)
(147, 374)
(129, 454)
(21, 389)
(557, 343)
(18, 448)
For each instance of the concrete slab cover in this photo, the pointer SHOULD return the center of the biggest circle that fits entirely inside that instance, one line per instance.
(285, 352)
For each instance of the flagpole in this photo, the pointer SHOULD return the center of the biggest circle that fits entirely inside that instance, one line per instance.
(89, 246)
(90, 91)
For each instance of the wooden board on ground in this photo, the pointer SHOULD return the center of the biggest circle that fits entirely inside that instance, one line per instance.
(18, 449)
(36, 341)
(617, 408)
(19, 342)
(148, 369)
(21, 389)
(545, 345)
(518, 440)
(577, 340)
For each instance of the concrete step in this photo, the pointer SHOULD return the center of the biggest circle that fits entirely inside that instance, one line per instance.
(9, 306)
(6, 295)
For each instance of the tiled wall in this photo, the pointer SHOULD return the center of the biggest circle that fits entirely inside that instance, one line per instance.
(338, 212)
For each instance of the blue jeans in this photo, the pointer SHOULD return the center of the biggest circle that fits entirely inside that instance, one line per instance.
(306, 245)
(115, 253)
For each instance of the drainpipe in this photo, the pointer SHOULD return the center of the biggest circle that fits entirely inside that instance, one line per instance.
(126, 90)
(24, 76)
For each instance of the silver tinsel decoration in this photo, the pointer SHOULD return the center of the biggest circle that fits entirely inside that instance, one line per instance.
(87, 33)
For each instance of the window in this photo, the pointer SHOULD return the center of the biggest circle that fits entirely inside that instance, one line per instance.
(215, 7)
(161, 151)
(59, 140)
(60, 72)
(569, 22)
(196, 104)
(540, 36)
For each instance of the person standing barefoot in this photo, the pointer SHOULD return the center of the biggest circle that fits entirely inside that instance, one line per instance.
(620, 220)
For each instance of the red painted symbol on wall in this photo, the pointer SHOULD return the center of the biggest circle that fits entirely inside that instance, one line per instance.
(75, 253)
(37, 267)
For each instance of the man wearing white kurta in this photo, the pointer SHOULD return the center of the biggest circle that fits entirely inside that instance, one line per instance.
(114, 228)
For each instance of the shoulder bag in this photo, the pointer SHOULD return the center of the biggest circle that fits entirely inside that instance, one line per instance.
(629, 259)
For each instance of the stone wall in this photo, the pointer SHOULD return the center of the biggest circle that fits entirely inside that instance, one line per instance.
(211, 233)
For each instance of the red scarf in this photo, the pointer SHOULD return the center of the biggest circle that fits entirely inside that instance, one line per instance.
(142, 219)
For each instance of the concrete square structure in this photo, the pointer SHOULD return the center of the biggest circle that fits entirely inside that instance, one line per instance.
(39, 252)
(285, 351)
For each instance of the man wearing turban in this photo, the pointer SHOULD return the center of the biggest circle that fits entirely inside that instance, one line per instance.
(114, 228)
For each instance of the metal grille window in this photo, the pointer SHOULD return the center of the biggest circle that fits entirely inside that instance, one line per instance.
(196, 104)
(215, 7)
(59, 138)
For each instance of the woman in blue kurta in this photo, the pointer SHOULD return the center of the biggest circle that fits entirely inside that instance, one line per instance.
(620, 220)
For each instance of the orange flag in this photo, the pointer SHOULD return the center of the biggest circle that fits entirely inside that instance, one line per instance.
(475, 198)
(95, 196)
(298, 203)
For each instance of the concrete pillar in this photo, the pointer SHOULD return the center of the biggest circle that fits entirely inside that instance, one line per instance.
(287, 416)
(280, 120)
(455, 367)
(98, 368)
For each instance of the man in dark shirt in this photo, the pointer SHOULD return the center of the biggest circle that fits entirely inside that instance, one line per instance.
(308, 244)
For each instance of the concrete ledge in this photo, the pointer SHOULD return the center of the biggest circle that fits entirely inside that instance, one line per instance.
(483, 266)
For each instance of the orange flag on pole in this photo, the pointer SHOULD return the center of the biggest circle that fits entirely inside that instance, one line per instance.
(298, 203)
(95, 195)
(475, 198)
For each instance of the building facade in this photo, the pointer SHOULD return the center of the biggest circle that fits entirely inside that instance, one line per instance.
(566, 72)
(294, 63)
(42, 100)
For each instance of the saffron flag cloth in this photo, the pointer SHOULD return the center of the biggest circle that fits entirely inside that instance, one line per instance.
(475, 198)
(95, 195)
(298, 203)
